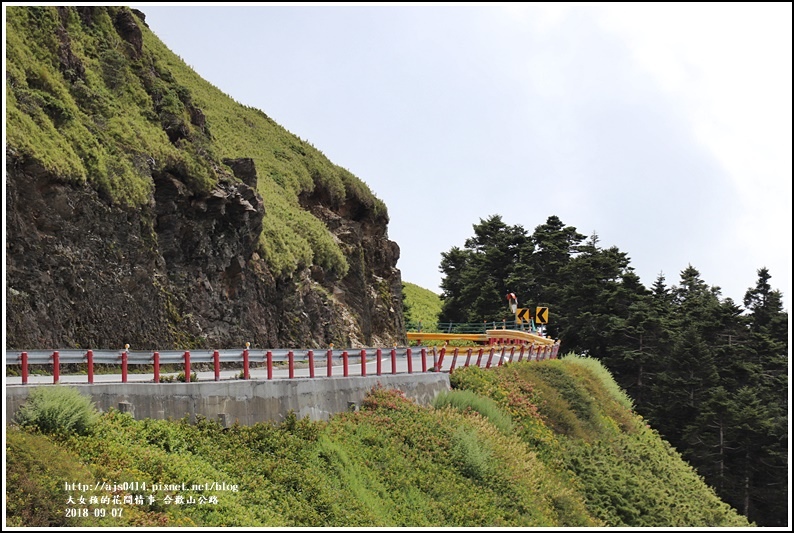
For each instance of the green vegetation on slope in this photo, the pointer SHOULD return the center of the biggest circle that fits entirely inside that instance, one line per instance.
(420, 306)
(573, 455)
(91, 108)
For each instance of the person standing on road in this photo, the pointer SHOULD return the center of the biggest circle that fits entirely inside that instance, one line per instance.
(512, 301)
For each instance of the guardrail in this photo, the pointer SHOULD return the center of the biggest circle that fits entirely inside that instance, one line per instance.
(268, 357)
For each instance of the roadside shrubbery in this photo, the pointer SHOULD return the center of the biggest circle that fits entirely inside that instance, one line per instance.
(58, 409)
(464, 400)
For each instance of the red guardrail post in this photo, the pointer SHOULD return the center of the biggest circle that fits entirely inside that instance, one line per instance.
(269, 357)
(24, 361)
(512, 352)
(521, 353)
(90, 360)
(394, 360)
(364, 362)
(378, 357)
(490, 357)
(124, 361)
(246, 369)
(501, 355)
(291, 357)
(454, 359)
(216, 364)
(156, 367)
(479, 356)
(423, 353)
(344, 364)
(187, 366)
(56, 367)
(441, 354)
(329, 361)
(311, 363)
(410, 360)
(468, 357)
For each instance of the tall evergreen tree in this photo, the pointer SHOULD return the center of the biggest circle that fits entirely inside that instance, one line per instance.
(478, 276)
(691, 366)
(639, 342)
(590, 307)
(554, 246)
(454, 265)
(738, 434)
(765, 445)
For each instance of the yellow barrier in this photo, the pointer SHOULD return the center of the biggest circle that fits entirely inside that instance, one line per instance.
(513, 334)
(507, 334)
(419, 336)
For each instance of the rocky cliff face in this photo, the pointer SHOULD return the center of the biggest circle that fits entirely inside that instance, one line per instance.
(180, 270)
(183, 271)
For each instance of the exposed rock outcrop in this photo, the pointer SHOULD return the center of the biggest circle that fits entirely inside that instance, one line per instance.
(182, 271)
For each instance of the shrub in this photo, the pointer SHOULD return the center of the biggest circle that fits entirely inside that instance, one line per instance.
(472, 459)
(58, 409)
(604, 375)
(465, 400)
(179, 377)
(37, 476)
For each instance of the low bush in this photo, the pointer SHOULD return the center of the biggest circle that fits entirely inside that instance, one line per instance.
(465, 400)
(58, 409)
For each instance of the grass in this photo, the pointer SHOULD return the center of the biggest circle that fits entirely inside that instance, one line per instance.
(116, 118)
(421, 305)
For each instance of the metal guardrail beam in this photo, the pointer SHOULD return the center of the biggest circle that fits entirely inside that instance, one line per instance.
(360, 358)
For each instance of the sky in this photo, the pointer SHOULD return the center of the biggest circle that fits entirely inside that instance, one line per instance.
(664, 129)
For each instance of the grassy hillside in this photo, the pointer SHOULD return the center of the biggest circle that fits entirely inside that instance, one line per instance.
(95, 105)
(546, 444)
(420, 305)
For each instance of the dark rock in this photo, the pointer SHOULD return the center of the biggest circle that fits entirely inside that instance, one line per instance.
(141, 15)
(128, 29)
(70, 65)
(181, 272)
(243, 169)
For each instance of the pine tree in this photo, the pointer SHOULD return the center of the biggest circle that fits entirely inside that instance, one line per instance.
(478, 276)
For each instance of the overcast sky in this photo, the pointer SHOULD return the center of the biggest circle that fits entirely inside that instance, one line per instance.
(665, 129)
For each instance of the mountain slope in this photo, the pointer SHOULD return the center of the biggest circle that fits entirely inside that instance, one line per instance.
(146, 207)
(422, 306)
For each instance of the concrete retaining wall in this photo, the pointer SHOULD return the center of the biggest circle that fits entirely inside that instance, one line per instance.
(246, 402)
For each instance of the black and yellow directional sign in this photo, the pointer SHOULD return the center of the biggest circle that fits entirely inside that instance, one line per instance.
(542, 315)
(523, 315)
